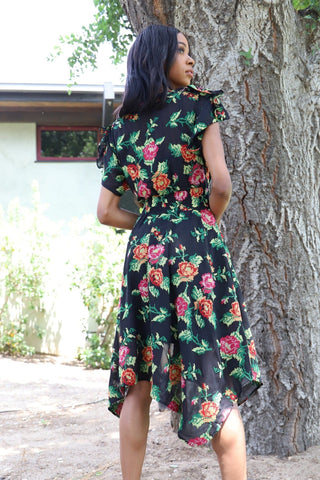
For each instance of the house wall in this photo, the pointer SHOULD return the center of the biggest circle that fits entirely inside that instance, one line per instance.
(68, 189)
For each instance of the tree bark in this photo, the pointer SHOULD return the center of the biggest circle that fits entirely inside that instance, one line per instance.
(272, 226)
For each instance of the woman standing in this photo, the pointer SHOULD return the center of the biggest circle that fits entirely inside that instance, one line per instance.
(182, 336)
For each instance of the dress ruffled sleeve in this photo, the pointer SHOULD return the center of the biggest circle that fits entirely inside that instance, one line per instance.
(113, 177)
(209, 109)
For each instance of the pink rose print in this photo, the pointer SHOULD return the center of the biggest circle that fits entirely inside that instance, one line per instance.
(181, 306)
(198, 175)
(150, 151)
(207, 283)
(197, 441)
(143, 287)
(155, 252)
(207, 217)
(143, 190)
(180, 195)
(229, 345)
(123, 352)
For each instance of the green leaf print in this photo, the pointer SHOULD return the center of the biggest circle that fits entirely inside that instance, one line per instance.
(196, 293)
(192, 372)
(187, 169)
(154, 291)
(228, 319)
(155, 392)
(217, 243)
(198, 127)
(175, 149)
(203, 348)
(173, 119)
(162, 167)
(200, 321)
(186, 336)
(159, 140)
(160, 315)
(185, 138)
(197, 420)
(119, 142)
(199, 234)
(196, 259)
(134, 136)
(157, 341)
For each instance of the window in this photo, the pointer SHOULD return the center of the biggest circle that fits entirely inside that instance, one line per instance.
(67, 144)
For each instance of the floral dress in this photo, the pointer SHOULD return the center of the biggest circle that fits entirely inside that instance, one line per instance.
(182, 322)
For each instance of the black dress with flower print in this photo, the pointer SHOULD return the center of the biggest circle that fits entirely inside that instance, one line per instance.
(182, 322)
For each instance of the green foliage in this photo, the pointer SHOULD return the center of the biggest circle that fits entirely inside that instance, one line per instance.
(98, 279)
(247, 56)
(68, 143)
(22, 275)
(110, 25)
(310, 10)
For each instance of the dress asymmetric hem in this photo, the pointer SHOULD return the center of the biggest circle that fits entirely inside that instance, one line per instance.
(182, 322)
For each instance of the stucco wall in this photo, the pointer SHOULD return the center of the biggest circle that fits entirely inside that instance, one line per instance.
(68, 189)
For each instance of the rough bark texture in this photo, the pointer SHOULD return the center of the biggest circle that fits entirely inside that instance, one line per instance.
(272, 226)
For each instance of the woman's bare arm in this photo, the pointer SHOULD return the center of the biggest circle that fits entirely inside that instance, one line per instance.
(221, 182)
(109, 212)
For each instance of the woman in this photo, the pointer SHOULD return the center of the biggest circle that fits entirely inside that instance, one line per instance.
(182, 334)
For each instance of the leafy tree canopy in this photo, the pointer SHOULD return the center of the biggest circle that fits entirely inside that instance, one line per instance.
(110, 24)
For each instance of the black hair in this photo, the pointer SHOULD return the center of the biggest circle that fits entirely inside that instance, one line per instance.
(148, 65)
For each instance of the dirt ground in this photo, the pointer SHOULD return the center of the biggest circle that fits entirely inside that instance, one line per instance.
(54, 425)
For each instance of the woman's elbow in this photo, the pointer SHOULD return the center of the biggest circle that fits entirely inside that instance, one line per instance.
(103, 215)
(222, 188)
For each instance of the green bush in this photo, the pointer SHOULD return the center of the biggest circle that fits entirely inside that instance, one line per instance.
(98, 278)
(22, 275)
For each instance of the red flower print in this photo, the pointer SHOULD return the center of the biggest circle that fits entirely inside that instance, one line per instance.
(183, 382)
(143, 287)
(198, 175)
(187, 154)
(207, 217)
(156, 276)
(147, 355)
(188, 270)
(206, 307)
(198, 441)
(174, 374)
(128, 377)
(125, 185)
(150, 151)
(133, 171)
(254, 374)
(207, 283)
(181, 306)
(155, 252)
(131, 116)
(140, 251)
(160, 181)
(118, 409)
(209, 411)
(173, 406)
(143, 190)
(123, 352)
(196, 192)
(180, 195)
(229, 345)
(252, 349)
(235, 310)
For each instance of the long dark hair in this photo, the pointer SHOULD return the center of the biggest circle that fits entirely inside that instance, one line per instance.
(148, 65)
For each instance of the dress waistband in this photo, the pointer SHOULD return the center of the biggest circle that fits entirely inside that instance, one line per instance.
(184, 199)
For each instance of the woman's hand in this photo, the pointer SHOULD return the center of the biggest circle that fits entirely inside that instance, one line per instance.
(109, 212)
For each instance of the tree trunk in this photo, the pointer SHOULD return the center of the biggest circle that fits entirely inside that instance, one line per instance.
(272, 226)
